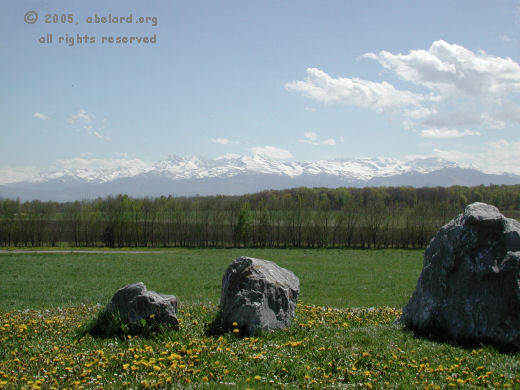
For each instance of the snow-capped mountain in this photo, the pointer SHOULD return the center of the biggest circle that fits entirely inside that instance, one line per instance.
(233, 174)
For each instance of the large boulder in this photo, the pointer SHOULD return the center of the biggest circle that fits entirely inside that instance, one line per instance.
(469, 288)
(134, 303)
(258, 295)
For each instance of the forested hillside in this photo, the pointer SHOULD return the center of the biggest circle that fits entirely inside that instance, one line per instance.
(391, 217)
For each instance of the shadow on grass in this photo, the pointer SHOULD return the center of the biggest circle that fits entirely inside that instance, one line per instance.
(108, 325)
(467, 344)
(214, 328)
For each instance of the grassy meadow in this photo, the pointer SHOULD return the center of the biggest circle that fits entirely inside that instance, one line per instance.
(338, 278)
(343, 335)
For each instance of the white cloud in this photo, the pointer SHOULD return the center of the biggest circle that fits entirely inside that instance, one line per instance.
(466, 115)
(86, 168)
(81, 116)
(101, 164)
(446, 133)
(100, 136)
(507, 38)
(492, 122)
(309, 135)
(502, 156)
(408, 124)
(495, 157)
(18, 174)
(88, 123)
(420, 112)
(453, 69)
(272, 152)
(221, 141)
(462, 158)
(465, 89)
(41, 116)
(380, 97)
(311, 138)
(496, 119)
(329, 141)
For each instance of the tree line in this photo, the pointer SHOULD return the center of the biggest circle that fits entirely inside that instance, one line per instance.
(383, 217)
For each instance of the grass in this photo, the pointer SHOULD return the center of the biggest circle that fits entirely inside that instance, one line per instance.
(338, 278)
(337, 340)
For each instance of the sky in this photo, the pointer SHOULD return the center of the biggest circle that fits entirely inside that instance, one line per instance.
(293, 80)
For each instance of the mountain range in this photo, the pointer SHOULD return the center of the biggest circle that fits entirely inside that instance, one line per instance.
(234, 175)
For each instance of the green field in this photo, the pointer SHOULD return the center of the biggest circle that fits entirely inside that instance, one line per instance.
(338, 278)
(342, 337)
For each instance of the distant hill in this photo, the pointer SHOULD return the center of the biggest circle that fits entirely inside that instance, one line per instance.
(237, 175)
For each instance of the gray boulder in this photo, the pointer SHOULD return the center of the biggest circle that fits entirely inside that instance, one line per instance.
(134, 302)
(258, 295)
(469, 288)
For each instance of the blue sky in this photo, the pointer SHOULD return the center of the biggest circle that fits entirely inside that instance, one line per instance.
(293, 80)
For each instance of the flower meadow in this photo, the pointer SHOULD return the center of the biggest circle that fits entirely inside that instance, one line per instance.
(324, 348)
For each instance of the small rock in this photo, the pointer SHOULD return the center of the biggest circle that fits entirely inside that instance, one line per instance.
(134, 302)
(469, 288)
(258, 295)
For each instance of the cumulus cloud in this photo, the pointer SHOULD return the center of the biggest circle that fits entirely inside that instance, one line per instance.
(464, 88)
(507, 38)
(41, 116)
(379, 97)
(329, 141)
(98, 164)
(223, 141)
(495, 157)
(80, 117)
(88, 121)
(100, 136)
(453, 69)
(492, 122)
(311, 138)
(496, 119)
(459, 77)
(502, 156)
(271, 152)
(420, 112)
(455, 156)
(446, 133)
(86, 168)
(10, 174)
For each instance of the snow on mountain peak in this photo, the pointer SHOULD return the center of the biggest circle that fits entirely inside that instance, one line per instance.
(229, 165)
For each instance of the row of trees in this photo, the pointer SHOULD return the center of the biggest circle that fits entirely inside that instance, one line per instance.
(303, 217)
